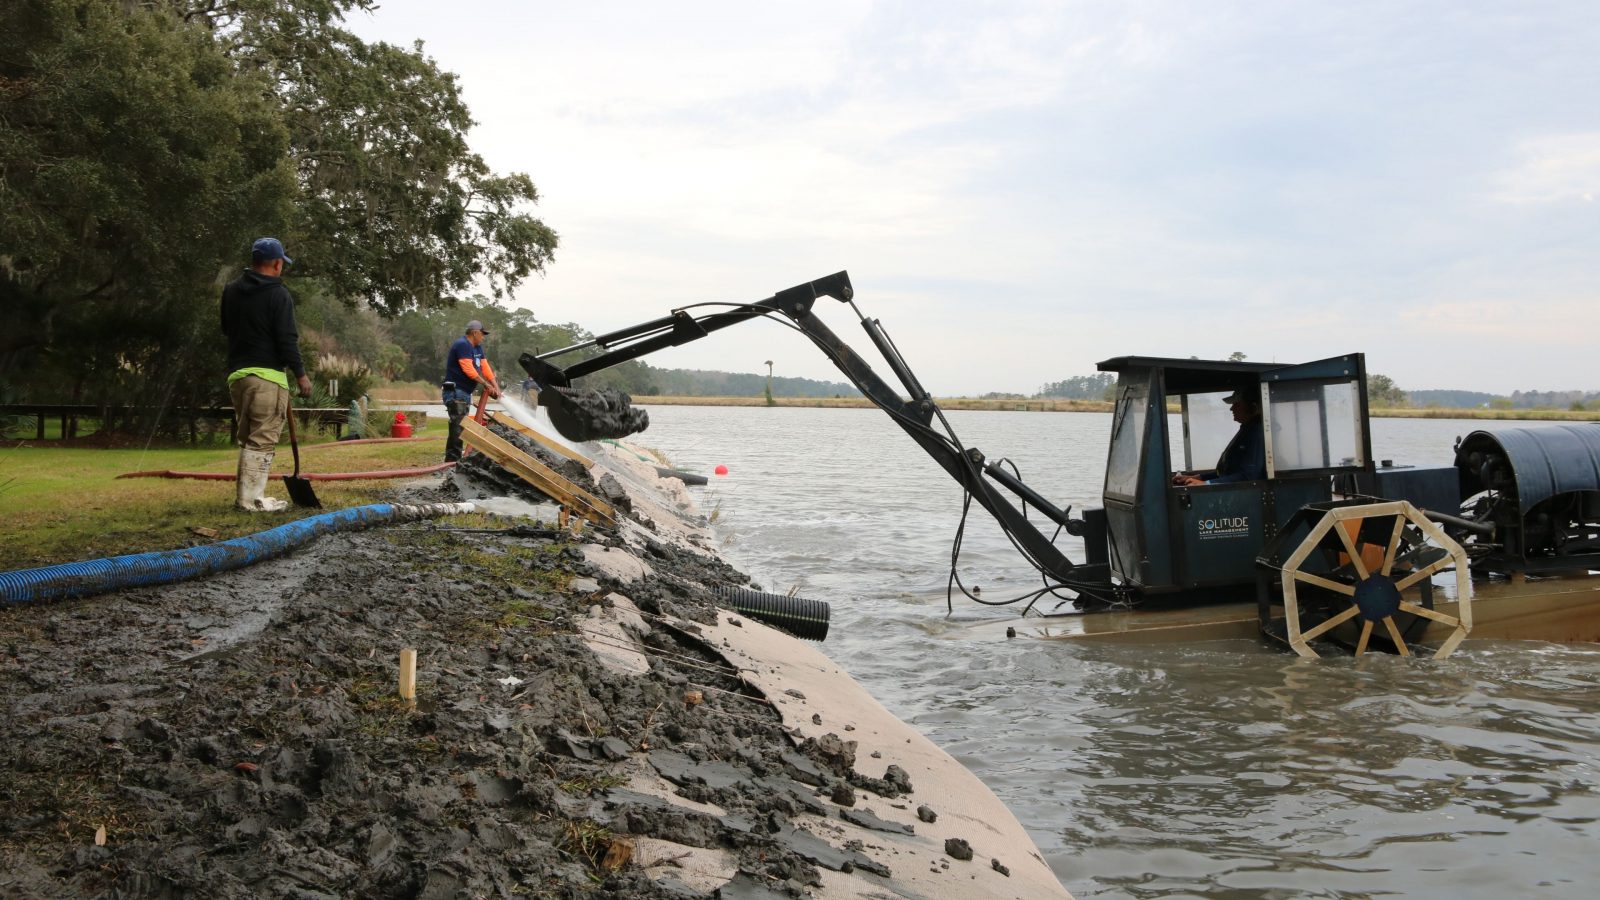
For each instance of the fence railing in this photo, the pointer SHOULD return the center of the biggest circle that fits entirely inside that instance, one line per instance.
(71, 414)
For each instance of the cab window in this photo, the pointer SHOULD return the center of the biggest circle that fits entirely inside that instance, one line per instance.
(1208, 426)
(1127, 433)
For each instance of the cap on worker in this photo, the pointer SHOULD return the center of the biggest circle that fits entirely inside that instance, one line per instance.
(475, 325)
(1242, 395)
(268, 249)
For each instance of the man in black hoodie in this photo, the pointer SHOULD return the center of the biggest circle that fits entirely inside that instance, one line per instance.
(263, 341)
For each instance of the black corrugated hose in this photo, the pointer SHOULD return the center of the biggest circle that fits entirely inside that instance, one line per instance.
(800, 617)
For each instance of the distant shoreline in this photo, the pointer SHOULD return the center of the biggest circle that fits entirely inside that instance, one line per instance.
(1101, 406)
(410, 394)
(863, 403)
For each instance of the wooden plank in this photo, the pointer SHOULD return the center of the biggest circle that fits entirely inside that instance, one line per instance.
(547, 480)
(541, 440)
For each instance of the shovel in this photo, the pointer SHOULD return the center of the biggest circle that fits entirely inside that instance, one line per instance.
(299, 488)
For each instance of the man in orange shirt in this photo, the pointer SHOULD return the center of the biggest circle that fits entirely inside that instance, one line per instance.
(465, 368)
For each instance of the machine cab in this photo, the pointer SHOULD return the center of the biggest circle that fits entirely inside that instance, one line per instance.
(1190, 542)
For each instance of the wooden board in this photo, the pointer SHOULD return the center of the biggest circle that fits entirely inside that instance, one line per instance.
(541, 440)
(547, 480)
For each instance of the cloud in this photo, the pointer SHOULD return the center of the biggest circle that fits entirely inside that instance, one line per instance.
(1553, 169)
(1020, 190)
(1550, 324)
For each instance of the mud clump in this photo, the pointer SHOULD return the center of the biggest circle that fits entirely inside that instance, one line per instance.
(242, 736)
(591, 415)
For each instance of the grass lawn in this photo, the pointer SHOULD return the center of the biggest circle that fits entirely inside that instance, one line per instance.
(64, 504)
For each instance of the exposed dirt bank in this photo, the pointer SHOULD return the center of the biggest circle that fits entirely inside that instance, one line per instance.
(586, 724)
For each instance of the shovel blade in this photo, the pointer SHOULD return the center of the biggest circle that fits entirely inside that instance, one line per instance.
(301, 493)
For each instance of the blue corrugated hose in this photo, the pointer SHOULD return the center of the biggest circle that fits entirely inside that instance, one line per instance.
(98, 575)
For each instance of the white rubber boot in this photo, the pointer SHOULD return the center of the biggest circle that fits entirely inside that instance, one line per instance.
(241, 486)
(255, 468)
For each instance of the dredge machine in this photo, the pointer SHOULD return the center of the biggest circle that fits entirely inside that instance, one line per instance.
(1329, 546)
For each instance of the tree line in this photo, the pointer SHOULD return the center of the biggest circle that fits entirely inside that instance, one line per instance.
(1381, 389)
(145, 143)
(1382, 393)
(704, 383)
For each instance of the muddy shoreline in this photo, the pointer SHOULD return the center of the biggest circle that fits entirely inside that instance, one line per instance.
(587, 723)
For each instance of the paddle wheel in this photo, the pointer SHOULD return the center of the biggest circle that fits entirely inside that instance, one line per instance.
(1372, 563)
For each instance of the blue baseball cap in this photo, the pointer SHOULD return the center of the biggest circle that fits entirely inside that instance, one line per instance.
(268, 249)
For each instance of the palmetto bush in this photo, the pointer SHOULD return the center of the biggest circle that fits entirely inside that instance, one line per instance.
(355, 378)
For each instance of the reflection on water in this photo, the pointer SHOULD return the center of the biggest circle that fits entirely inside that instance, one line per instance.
(1223, 769)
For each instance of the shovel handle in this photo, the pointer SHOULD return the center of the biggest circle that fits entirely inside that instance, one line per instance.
(294, 442)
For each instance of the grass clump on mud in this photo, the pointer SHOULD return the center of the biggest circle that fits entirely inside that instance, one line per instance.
(530, 572)
(65, 804)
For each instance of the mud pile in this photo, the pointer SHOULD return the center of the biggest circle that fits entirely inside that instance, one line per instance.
(578, 730)
(590, 415)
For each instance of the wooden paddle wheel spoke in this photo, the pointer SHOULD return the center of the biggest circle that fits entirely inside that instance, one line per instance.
(1348, 590)
(1332, 622)
(1350, 548)
(1394, 635)
(1393, 549)
(1427, 571)
(1427, 613)
(1366, 635)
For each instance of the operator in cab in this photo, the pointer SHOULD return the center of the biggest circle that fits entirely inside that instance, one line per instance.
(1245, 457)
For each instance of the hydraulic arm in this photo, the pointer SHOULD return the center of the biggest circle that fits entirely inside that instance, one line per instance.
(914, 414)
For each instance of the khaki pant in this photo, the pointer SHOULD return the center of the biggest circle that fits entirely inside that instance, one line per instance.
(259, 409)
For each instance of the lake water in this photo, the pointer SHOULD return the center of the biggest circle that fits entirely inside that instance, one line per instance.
(1224, 770)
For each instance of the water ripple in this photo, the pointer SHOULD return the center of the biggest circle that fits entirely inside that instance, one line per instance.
(1222, 769)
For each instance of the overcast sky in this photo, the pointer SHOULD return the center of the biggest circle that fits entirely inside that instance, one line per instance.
(1021, 190)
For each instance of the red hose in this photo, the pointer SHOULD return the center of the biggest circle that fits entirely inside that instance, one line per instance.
(330, 476)
(306, 447)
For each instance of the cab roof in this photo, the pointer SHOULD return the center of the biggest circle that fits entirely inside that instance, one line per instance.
(1192, 376)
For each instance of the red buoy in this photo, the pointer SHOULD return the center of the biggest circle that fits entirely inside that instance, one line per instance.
(401, 428)
(720, 469)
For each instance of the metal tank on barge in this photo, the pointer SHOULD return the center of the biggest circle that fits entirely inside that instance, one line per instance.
(1317, 545)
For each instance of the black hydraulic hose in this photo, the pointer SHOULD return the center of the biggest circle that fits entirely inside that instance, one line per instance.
(1486, 529)
(1032, 597)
